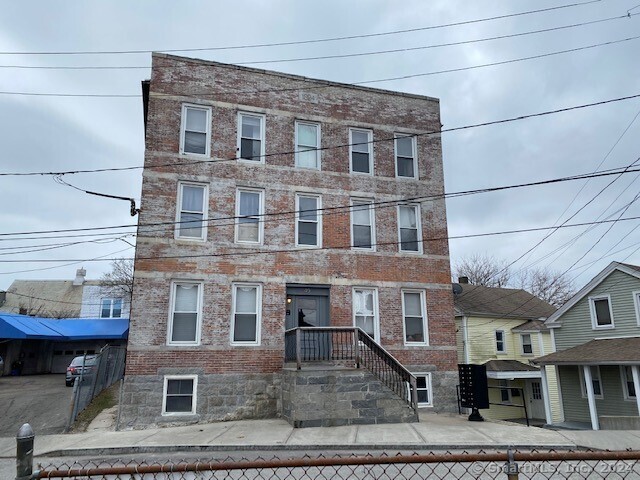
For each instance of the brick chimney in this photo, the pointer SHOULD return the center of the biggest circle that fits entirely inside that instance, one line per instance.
(463, 280)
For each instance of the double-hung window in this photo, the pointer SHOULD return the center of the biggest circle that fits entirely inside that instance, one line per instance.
(501, 344)
(195, 134)
(414, 311)
(111, 308)
(365, 311)
(361, 151)
(185, 316)
(362, 224)
(628, 387)
(601, 313)
(308, 220)
(406, 164)
(505, 391)
(527, 346)
(179, 395)
(245, 322)
(409, 228)
(192, 211)
(249, 212)
(251, 137)
(595, 381)
(307, 145)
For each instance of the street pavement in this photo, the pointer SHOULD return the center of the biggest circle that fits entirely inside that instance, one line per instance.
(434, 431)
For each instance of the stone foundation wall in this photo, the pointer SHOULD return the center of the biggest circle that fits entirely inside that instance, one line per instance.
(218, 398)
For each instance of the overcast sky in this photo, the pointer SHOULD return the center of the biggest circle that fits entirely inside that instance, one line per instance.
(53, 133)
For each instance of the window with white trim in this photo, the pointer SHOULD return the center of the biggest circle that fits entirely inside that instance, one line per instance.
(409, 230)
(406, 164)
(246, 316)
(628, 388)
(308, 220)
(179, 395)
(414, 312)
(249, 210)
(361, 151)
(601, 313)
(195, 132)
(595, 380)
(111, 308)
(501, 343)
(251, 133)
(184, 321)
(636, 301)
(527, 346)
(363, 234)
(192, 211)
(424, 389)
(307, 145)
(365, 311)
(505, 391)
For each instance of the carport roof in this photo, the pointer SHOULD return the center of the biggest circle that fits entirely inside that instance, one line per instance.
(36, 328)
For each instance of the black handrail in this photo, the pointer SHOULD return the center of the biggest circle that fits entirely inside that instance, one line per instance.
(313, 344)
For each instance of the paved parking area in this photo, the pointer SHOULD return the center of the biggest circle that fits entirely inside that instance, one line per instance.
(41, 400)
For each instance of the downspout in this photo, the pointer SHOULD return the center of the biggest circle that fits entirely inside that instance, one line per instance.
(465, 340)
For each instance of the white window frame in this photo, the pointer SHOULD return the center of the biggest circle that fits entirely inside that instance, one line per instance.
(357, 202)
(263, 128)
(183, 126)
(234, 288)
(414, 146)
(636, 301)
(504, 341)
(172, 299)
(522, 344)
(112, 300)
(429, 388)
(592, 309)
(418, 226)
(317, 146)
(370, 148)
(205, 211)
(625, 380)
(376, 312)
(260, 219)
(425, 319)
(194, 395)
(504, 386)
(318, 221)
(597, 376)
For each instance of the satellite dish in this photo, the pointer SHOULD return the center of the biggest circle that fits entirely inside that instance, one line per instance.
(457, 288)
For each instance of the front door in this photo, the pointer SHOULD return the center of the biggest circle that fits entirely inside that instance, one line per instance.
(535, 399)
(309, 307)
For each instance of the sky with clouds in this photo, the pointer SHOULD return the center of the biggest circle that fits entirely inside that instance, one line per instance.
(43, 133)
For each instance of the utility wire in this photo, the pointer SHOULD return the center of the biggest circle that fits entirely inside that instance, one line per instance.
(333, 57)
(329, 147)
(302, 42)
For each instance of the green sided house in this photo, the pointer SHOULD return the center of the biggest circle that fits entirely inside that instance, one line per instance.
(597, 341)
(504, 329)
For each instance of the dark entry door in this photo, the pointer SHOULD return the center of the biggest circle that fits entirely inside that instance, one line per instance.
(309, 307)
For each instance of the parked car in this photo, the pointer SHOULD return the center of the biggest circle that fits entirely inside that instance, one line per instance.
(75, 368)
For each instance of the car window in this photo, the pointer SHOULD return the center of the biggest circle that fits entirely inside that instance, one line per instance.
(78, 361)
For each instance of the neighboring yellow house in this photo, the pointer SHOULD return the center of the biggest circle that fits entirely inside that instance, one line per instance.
(504, 329)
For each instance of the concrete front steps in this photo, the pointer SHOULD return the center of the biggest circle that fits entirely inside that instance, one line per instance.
(326, 396)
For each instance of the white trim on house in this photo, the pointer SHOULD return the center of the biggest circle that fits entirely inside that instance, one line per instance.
(418, 214)
(624, 379)
(414, 148)
(428, 388)
(207, 132)
(205, 211)
(258, 314)
(172, 299)
(369, 133)
(504, 341)
(636, 301)
(358, 202)
(513, 374)
(376, 311)
(594, 316)
(584, 388)
(263, 128)
(425, 320)
(318, 221)
(260, 215)
(522, 345)
(584, 291)
(317, 146)
(194, 394)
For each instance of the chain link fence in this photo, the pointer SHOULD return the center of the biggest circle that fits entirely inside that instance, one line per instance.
(510, 464)
(106, 369)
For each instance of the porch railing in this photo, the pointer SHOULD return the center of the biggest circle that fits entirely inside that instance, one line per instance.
(353, 345)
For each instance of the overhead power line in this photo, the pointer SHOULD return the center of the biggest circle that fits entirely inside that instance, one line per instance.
(332, 57)
(301, 42)
(328, 147)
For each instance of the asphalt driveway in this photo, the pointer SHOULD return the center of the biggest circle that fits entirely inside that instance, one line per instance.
(41, 400)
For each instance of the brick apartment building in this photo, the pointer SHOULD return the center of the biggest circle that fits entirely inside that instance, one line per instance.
(270, 202)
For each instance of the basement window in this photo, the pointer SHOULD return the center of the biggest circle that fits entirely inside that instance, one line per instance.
(179, 395)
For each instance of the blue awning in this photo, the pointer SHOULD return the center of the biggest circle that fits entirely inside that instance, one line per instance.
(36, 328)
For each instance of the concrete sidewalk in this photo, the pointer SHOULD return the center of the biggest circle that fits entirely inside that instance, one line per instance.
(433, 432)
